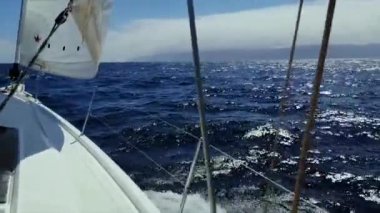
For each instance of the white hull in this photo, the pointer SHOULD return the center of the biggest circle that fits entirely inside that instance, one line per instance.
(59, 170)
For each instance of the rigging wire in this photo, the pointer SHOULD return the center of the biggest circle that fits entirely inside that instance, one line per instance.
(37, 85)
(260, 174)
(174, 126)
(266, 178)
(201, 105)
(279, 186)
(286, 89)
(62, 17)
(283, 101)
(89, 109)
(284, 98)
(306, 140)
(190, 176)
(122, 137)
(285, 94)
(59, 20)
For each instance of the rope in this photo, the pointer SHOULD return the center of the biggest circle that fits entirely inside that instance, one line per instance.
(306, 140)
(61, 19)
(201, 105)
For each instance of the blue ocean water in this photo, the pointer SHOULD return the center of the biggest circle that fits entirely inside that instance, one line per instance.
(242, 112)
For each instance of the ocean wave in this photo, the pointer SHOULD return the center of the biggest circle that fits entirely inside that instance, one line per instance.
(255, 154)
(350, 124)
(289, 162)
(169, 202)
(339, 177)
(221, 166)
(371, 195)
(241, 97)
(349, 178)
(286, 138)
(347, 118)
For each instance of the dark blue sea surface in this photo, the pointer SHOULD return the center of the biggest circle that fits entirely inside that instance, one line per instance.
(242, 98)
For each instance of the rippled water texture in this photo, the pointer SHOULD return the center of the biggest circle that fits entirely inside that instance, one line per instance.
(242, 112)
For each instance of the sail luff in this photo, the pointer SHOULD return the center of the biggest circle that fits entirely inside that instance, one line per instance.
(85, 14)
(19, 31)
(75, 49)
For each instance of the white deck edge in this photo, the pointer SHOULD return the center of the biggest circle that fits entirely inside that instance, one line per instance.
(126, 184)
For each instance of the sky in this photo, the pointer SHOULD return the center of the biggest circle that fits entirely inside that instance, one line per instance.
(144, 28)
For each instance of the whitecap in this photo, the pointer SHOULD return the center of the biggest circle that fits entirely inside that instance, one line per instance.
(339, 177)
(314, 151)
(313, 161)
(325, 93)
(316, 174)
(221, 166)
(289, 161)
(225, 166)
(359, 178)
(260, 131)
(169, 202)
(368, 134)
(286, 137)
(371, 195)
(347, 117)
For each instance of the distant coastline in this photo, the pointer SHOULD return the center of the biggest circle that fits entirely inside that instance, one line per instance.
(302, 52)
(370, 51)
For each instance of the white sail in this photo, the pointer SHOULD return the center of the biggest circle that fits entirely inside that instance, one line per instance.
(75, 48)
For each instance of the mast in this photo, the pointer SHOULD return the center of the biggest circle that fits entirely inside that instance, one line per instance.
(19, 31)
(201, 105)
(307, 136)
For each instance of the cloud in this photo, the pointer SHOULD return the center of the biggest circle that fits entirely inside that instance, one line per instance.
(356, 22)
(7, 51)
